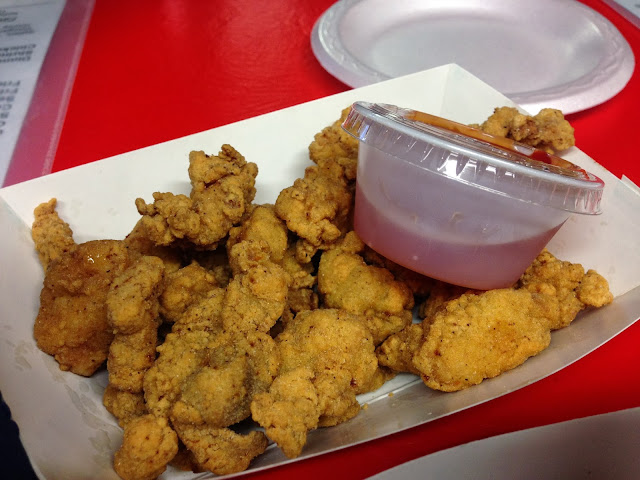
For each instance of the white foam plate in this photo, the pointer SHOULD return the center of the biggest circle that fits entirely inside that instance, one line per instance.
(548, 53)
(602, 446)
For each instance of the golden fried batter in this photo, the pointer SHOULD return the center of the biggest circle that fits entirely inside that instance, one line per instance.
(72, 321)
(223, 187)
(183, 288)
(334, 145)
(123, 405)
(548, 130)
(397, 351)
(257, 295)
(222, 451)
(478, 336)
(132, 311)
(149, 445)
(293, 391)
(566, 288)
(262, 224)
(52, 236)
(335, 352)
(317, 208)
(345, 281)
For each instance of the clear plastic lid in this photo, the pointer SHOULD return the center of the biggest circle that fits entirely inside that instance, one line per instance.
(468, 155)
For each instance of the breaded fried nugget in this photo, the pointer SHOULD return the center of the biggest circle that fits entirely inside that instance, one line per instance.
(262, 224)
(338, 351)
(238, 366)
(223, 187)
(441, 293)
(132, 311)
(420, 285)
(317, 208)
(72, 321)
(345, 281)
(548, 130)
(257, 295)
(220, 450)
(270, 240)
(139, 244)
(565, 287)
(52, 235)
(479, 336)
(123, 405)
(183, 288)
(397, 351)
(293, 391)
(204, 381)
(334, 145)
(148, 446)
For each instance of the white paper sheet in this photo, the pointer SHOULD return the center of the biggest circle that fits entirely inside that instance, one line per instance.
(26, 28)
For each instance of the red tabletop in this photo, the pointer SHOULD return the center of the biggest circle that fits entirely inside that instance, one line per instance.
(154, 70)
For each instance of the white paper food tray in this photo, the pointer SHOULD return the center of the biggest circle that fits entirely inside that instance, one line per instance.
(65, 429)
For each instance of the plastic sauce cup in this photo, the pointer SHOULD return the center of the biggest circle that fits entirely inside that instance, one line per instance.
(455, 204)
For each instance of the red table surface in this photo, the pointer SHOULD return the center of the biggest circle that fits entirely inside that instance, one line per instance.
(155, 70)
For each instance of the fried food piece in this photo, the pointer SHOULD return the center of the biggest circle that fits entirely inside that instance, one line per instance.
(204, 381)
(338, 351)
(548, 130)
(593, 290)
(292, 391)
(440, 294)
(334, 145)
(238, 366)
(301, 295)
(397, 351)
(317, 208)
(567, 289)
(72, 321)
(257, 295)
(149, 444)
(478, 336)
(220, 450)
(346, 282)
(132, 311)
(262, 224)
(52, 236)
(420, 285)
(140, 245)
(123, 405)
(223, 187)
(184, 288)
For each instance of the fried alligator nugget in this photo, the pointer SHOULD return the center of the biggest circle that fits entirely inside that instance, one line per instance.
(567, 289)
(548, 130)
(222, 451)
(149, 444)
(317, 208)
(72, 320)
(262, 224)
(257, 295)
(184, 288)
(223, 187)
(345, 281)
(132, 311)
(478, 336)
(503, 327)
(326, 351)
(334, 145)
(51, 235)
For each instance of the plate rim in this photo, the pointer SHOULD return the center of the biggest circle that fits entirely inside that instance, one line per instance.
(606, 79)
